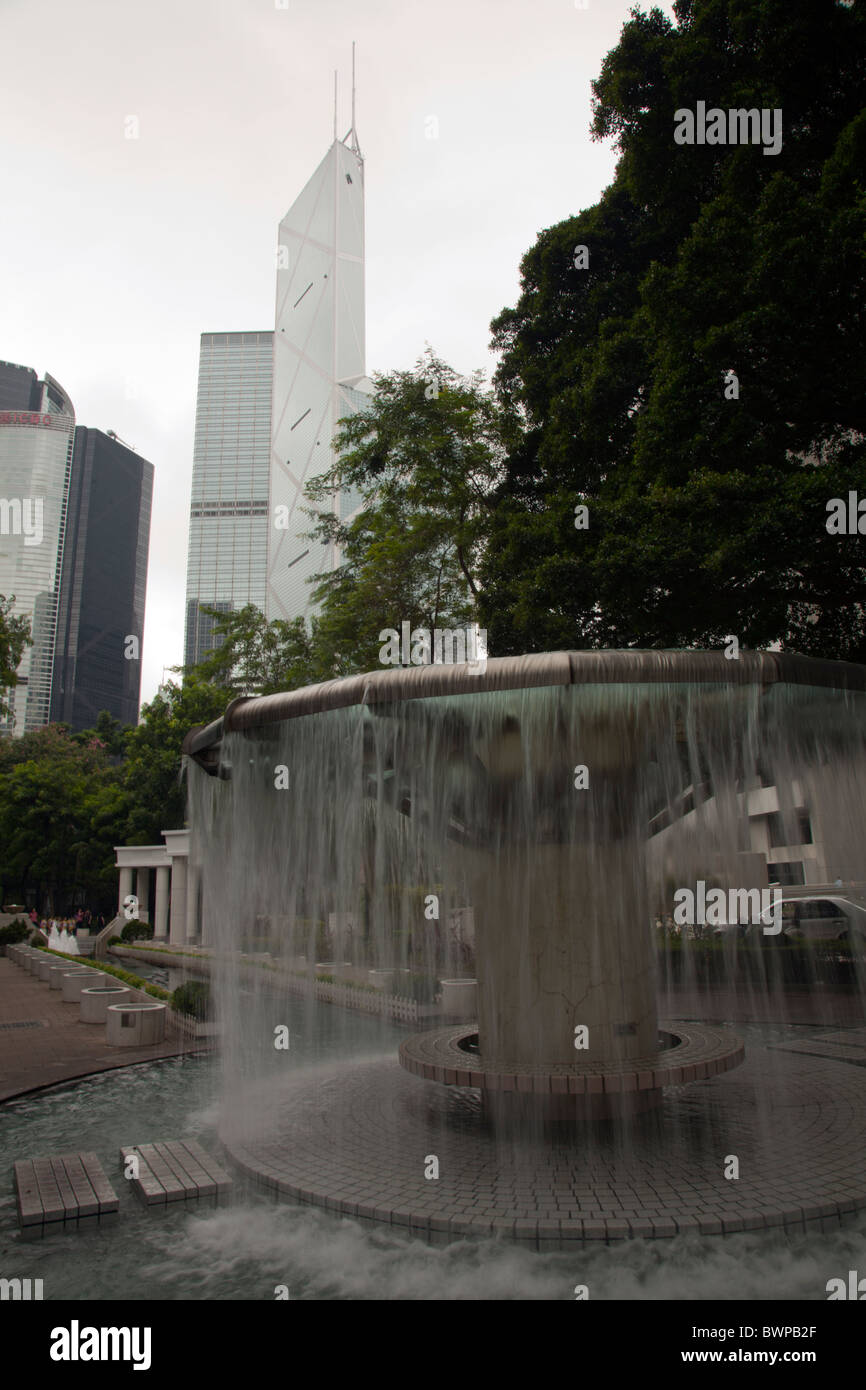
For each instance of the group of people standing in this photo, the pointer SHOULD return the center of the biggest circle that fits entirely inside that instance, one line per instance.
(83, 919)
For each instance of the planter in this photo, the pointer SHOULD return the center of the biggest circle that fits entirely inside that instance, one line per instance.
(380, 979)
(135, 1025)
(95, 1003)
(74, 982)
(43, 966)
(460, 998)
(55, 975)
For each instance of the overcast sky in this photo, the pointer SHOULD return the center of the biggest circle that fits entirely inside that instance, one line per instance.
(117, 253)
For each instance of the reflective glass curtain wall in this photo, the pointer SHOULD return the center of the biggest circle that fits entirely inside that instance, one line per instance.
(35, 460)
(227, 564)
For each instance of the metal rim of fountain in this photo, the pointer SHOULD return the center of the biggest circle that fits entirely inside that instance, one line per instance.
(652, 667)
(700, 1051)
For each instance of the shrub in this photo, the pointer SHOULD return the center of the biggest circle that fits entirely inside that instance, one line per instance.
(14, 932)
(193, 998)
(137, 931)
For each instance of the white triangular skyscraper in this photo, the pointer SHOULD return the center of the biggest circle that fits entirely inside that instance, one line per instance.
(319, 371)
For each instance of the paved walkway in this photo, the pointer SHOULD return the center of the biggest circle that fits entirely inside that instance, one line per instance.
(821, 1005)
(50, 1044)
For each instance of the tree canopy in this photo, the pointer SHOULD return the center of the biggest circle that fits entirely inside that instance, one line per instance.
(425, 460)
(694, 379)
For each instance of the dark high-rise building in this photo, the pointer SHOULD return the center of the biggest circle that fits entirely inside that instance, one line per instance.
(20, 388)
(100, 620)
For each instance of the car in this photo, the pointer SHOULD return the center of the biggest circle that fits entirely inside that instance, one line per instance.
(827, 918)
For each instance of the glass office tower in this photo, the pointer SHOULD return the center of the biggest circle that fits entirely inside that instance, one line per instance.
(227, 564)
(100, 624)
(37, 426)
(319, 365)
(267, 411)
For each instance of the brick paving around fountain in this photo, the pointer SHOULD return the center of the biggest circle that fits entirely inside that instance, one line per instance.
(356, 1140)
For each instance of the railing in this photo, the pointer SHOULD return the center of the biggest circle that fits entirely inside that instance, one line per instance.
(112, 928)
(393, 1006)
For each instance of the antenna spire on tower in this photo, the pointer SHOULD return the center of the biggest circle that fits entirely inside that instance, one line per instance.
(335, 103)
(356, 149)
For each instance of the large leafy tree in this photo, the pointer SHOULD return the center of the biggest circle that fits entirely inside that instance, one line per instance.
(424, 460)
(154, 792)
(706, 514)
(67, 799)
(61, 807)
(257, 657)
(422, 464)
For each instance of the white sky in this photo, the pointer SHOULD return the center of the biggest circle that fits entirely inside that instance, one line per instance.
(117, 253)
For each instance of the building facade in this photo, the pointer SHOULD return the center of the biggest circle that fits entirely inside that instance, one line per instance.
(267, 411)
(227, 558)
(100, 627)
(37, 430)
(319, 372)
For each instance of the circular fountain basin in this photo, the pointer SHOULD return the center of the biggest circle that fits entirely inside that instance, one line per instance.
(692, 1052)
(540, 792)
(801, 1119)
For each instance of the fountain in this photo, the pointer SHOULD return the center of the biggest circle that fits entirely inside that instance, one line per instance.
(562, 798)
(63, 941)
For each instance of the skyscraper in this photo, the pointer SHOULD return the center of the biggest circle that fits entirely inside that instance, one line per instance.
(100, 622)
(37, 426)
(74, 530)
(319, 363)
(267, 410)
(228, 528)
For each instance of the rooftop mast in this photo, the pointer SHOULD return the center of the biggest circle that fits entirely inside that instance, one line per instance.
(355, 147)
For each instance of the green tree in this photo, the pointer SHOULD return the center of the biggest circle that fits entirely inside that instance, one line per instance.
(706, 514)
(61, 806)
(154, 795)
(14, 637)
(424, 461)
(257, 657)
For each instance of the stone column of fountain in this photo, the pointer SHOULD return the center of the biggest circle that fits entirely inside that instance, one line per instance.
(554, 809)
(565, 974)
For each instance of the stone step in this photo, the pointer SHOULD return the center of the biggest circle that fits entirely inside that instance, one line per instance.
(63, 1192)
(177, 1170)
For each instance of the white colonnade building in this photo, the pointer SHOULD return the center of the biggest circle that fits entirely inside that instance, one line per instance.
(167, 885)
